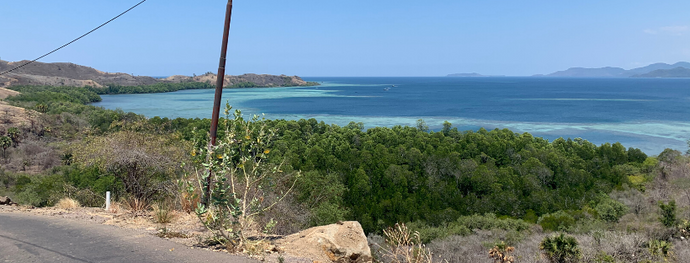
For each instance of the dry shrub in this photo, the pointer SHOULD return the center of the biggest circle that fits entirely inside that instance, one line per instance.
(115, 207)
(67, 204)
(500, 253)
(189, 202)
(404, 246)
(135, 205)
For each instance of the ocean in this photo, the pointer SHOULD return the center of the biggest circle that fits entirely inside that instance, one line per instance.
(650, 114)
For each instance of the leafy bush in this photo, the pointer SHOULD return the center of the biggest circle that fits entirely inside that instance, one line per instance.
(557, 221)
(668, 213)
(560, 248)
(611, 210)
(490, 221)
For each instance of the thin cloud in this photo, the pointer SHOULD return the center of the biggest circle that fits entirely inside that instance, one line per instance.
(668, 30)
(675, 30)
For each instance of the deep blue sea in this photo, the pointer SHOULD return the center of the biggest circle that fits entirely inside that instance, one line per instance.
(650, 114)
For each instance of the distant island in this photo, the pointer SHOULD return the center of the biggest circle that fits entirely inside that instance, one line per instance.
(465, 75)
(679, 72)
(470, 75)
(69, 74)
(657, 70)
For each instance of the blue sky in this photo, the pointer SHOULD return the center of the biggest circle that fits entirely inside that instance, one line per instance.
(350, 38)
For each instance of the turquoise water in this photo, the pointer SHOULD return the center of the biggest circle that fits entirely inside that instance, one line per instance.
(650, 114)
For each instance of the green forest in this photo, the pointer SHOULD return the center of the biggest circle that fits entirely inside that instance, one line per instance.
(439, 182)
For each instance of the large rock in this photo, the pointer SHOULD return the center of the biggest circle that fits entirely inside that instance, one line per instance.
(4, 200)
(342, 242)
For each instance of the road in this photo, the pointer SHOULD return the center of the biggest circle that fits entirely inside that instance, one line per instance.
(31, 238)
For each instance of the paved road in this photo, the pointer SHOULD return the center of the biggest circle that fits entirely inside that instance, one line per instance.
(31, 238)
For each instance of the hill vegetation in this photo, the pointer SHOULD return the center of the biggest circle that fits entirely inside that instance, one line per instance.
(463, 187)
(69, 74)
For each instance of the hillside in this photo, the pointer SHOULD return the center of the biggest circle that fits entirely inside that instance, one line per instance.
(678, 72)
(69, 74)
(614, 72)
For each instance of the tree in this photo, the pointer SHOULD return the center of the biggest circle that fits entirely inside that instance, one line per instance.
(5, 142)
(14, 133)
(446, 127)
(421, 126)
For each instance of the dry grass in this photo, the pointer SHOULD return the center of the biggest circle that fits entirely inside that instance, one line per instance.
(403, 246)
(67, 204)
(135, 205)
(115, 207)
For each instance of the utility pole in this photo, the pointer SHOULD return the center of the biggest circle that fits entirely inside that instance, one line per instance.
(219, 94)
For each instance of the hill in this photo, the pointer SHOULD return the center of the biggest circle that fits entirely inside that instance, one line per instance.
(70, 74)
(614, 72)
(678, 72)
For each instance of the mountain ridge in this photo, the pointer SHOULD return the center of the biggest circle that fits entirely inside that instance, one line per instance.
(70, 74)
(614, 72)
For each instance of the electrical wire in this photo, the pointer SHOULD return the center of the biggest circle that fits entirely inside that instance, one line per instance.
(75, 40)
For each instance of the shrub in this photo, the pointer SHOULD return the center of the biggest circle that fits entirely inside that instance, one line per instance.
(668, 213)
(490, 221)
(500, 253)
(611, 210)
(67, 203)
(242, 179)
(162, 213)
(560, 248)
(557, 221)
(660, 248)
(404, 246)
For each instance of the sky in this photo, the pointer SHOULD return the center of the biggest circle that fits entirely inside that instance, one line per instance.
(350, 38)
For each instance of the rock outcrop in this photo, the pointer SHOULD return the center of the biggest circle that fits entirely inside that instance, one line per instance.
(343, 242)
(4, 200)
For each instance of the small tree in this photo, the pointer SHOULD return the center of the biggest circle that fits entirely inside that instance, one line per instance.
(421, 125)
(560, 248)
(242, 178)
(668, 213)
(5, 142)
(14, 133)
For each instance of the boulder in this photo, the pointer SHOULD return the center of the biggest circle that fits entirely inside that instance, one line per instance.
(343, 242)
(4, 200)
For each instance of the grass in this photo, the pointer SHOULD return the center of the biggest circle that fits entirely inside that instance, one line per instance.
(162, 213)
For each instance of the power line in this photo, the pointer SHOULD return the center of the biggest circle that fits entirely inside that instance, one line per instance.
(75, 40)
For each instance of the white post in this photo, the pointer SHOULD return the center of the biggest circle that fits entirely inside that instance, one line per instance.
(107, 201)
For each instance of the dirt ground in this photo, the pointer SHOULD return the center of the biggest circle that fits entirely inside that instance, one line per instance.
(183, 229)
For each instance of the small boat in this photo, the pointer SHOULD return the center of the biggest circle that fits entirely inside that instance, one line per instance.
(386, 89)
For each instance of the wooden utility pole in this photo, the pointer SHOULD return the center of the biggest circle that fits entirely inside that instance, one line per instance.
(219, 94)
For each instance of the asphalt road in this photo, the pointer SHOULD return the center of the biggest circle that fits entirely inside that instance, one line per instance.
(30, 238)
